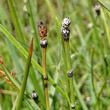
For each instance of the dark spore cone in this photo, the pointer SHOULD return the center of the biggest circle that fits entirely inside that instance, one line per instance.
(66, 22)
(42, 30)
(43, 43)
(65, 33)
(97, 9)
(34, 95)
(65, 29)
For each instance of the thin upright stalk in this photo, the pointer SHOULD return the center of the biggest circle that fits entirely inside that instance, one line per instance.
(15, 21)
(33, 26)
(79, 96)
(25, 54)
(65, 33)
(64, 89)
(100, 45)
(92, 86)
(95, 28)
(92, 75)
(45, 76)
(65, 64)
(63, 54)
(42, 31)
(24, 82)
(69, 68)
(106, 26)
(105, 81)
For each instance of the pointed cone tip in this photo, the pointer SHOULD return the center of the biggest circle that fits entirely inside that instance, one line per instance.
(31, 47)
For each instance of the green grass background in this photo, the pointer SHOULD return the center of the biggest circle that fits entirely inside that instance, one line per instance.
(90, 55)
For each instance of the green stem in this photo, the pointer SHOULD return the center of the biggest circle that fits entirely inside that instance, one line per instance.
(105, 81)
(65, 64)
(64, 89)
(25, 53)
(15, 20)
(79, 96)
(99, 42)
(92, 73)
(61, 41)
(92, 90)
(106, 26)
(23, 86)
(69, 68)
(95, 27)
(33, 26)
(72, 80)
(50, 7)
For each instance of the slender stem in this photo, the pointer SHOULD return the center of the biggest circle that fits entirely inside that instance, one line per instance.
(24, 82)
(97, 35)
(69, 68)
(95, 28)
(65, 62)
(105, 81)
(106, 26)
(50, 7)
(62, 49)
(100, 45)
(45, 76)
(79, 96)
(93, 74)
(64, 88)
(92, 87)
(25, 53)
(15, 21)
(33, 26)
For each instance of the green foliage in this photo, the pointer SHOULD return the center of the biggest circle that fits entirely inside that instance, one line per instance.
(18, 24)
(107, 6)
(24, 82)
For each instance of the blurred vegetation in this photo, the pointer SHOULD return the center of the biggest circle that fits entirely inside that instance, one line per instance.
(89, 43)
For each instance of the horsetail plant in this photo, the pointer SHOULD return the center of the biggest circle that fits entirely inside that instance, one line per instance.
(42, 30)
(65, 33)
(64, 88)
(25, 54)
(23, 86)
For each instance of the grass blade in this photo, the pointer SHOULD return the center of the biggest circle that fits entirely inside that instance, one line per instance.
(64, 88)
(21, 94)
(92, 86)
(37, 86)
(4, 17)
(106, 26)
(15, 20)
(79, 96)
(50, 7)
(33, 26)
(20, 48)
(25, 53)
(104, 4)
